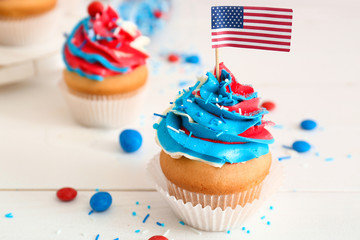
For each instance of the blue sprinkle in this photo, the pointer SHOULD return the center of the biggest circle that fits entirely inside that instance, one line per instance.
(148, 206)
(268, 222)
(137, 203)
(329, 159)
(66, 35)
(228, 231)
(308, 124)
(9, 215)
(349, 156)
(301, 146)
(262, 218)
(91, 212)
(171, 102)
(160, 224)
(317, 154)
(83, 44)
(137, 231)
(116, 239)
(182, 223)
(278, 126)
(146, 217)
(184, 83)
(243, 228)
(271, 207)
(97, 237)
(284, 158)
(96, 190)
(118, 45)
(222, 118)
(192, 59)
(248, 231)
(134, 213)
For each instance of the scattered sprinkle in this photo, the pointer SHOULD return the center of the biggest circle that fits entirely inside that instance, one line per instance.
(248, 231)
(148, 206)
(184, 83)
(91, 212)
(134, 213)
(317, 154)
(278, 126)
(271, 207)
(146, 217)
(329, 159)
(9, 215)
(97, 237)
(137, 231)
(96, 190)
(287, 147)
(182, 223)
(160, 224)
(262, 218)
(349, 156)
(243, 228)
(158, 115)
(175, 130)
(116, 239)
(284, 158)
(268, 223)
(228, 231)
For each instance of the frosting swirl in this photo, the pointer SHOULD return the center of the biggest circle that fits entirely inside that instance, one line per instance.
(103, 45)
(215, 121)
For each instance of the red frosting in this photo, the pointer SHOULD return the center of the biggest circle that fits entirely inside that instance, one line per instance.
(110, 43)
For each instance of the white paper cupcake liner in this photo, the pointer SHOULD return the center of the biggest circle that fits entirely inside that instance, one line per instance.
(215, 220)
(29, 30)
(104, 111)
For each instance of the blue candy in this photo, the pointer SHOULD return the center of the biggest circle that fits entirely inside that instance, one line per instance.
(301, 146)
(100, 201)
(192, 59)
(308, 124)
(130, 140)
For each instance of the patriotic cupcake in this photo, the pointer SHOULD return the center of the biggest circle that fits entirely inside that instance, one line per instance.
(215, 155)
(27, 22)
(106, 69)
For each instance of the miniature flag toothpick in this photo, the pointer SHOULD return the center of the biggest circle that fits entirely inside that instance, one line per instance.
(251, 27)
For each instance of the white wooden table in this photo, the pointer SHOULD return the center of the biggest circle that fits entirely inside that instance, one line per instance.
(42, 149)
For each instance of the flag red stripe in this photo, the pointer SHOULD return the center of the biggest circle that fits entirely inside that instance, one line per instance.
(267, 22)
(251, 34)
(269, 9)
(267, 15)
(251, 40)
(251, 46)
(267, 29)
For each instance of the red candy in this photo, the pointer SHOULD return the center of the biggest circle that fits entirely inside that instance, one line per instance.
(268, 105)
(66, 194)
(157, 13)
(173, 58)
(158, 237)
(95, 8)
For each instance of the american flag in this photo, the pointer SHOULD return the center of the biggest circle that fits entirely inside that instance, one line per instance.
(251, 27)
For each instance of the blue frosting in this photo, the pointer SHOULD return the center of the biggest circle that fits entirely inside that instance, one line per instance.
(91, 58)
(212, 131)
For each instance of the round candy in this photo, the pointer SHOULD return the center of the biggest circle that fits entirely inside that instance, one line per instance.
(268, 105)
(100, 201)
(66, 194)
(130, 140)
(301, 146)
(157, 13)
(173, 58)
(158, 237)
(95, 8)
(192, 59)
(308, 124)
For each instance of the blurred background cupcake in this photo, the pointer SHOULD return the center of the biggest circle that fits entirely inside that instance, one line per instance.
(106, 73)
(215, 153)
(24, 22)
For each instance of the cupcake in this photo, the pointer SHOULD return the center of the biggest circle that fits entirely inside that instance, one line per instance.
(105, 70)
(215, 151)
(24, 22)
